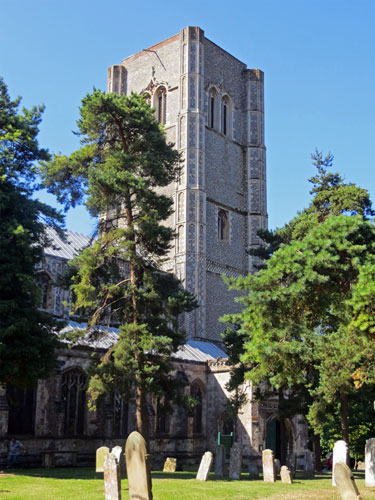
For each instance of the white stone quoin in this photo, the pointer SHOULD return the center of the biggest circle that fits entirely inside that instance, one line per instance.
(370, 462)
(340, 452)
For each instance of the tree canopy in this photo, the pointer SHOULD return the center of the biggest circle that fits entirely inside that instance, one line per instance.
(121, 169)
(307, 319)
(27, 341)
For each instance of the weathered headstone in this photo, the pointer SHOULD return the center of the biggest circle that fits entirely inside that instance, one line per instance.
(235, 463)
(138, 467)
(205, 466)
(170, 465)
(269, 475)
(285, 475)
(345, 482)
(370, 462)
(117, 452)
(309, 463)
(361, 465)
(277, 466)
(100, 454)
(253, 470)
(340, 452)
(112, 479)
(219, 460)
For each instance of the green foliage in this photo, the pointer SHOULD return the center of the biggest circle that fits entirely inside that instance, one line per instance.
(27, 342)
(307, 321)
(120, 169)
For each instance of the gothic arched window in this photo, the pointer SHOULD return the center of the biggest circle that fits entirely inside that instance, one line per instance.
(21, 415)
(120, 416)
(222, 225)
(197, 394)
(212, 109)
(226, 116)
(161, 105)
(45, 284)
(73, 396)
(162, 420)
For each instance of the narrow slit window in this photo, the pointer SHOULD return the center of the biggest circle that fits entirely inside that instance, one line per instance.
(222, 225)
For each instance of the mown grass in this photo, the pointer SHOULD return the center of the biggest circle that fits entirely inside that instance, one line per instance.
(85, 484)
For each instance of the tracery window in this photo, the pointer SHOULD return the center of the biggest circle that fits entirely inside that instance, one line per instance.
(120, 416)
(73, 396)
(161, 105)
(45, 284)
(222, 225)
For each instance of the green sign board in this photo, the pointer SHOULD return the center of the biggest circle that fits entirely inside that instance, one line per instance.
(225, 440)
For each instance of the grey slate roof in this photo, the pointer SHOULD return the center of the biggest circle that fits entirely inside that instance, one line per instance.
(193, 350)
(66, 249)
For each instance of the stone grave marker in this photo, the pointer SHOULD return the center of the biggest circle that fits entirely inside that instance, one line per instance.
(235, 463)
(138, 467)
(345, 482)
(269, 475)
(309, 463)
(219, 460)
(340, 452)
(253, 470)
(100, 454)
(170, 465)
(370, 462)
(361, 465)
(112, 479)
(277, 466)
(285, 475)
(205, 466)
(117, 452)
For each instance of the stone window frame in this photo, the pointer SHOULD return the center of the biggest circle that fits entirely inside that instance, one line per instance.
(213, 108)
(74, 378)
(45, 283)
(223, 225)
(197, 391)
(160, 104)
(226, 116)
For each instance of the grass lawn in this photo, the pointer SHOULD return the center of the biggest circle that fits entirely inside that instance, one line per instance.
(85, 484)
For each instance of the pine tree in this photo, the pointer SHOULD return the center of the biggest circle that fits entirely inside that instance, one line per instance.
(121, 168)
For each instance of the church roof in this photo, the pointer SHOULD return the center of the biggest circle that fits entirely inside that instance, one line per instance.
(193, 350)
(67, 249)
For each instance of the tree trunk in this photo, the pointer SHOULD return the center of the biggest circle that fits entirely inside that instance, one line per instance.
(316, 448)
(142, 415)
(344, 422)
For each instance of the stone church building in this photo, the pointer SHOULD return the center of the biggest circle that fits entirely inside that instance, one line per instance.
(212, 109)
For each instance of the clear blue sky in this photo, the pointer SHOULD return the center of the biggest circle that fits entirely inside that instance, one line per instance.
(318, 57)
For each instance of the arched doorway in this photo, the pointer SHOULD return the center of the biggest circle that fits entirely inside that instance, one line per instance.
(273, 437)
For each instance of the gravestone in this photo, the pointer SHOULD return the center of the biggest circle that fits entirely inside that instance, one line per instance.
(112, 479)
(269, 475)
(345, 482)
(235, 463)
(309, 464)
(205, 466)
(361, 465)
(219, 460)
(277, 465)
(253, 470)
(117, 452)
(370, 462)
(340, 452)
(138, 467)
(170, 465)
(100, 454)
(285, 474)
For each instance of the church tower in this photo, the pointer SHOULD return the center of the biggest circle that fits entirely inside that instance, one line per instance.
(212, 109)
